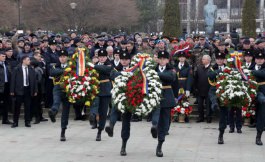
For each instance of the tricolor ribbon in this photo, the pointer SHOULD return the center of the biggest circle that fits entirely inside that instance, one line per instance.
(236, 55)
(141, 66)
(80, 62)
(184, 49)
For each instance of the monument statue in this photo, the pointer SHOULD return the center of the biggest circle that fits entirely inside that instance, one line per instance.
(209, 13)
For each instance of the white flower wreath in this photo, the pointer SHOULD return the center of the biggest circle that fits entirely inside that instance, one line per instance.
(150, 100)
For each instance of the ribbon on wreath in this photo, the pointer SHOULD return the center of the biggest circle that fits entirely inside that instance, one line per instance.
(80, 62)
(236, 55)
(141, 66)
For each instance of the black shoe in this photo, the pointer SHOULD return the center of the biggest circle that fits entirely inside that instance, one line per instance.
(209, 120)
(252, 125)
(43, 119)
(109, 130)
(159, 152)
(14, 125)
(167, 133)
(258, 138)
(62, 138)
(231, 130)
(27, 124)
(78, 118)
(200, 120)
(239, 131)
(98, 138)
(220, 140)
(258, 141)
(52, 115)
(37, 121)
(154, 131)
(7, 122)
(123, 148)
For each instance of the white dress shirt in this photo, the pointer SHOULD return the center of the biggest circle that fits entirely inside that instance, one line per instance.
(162, 68)
(25, 77)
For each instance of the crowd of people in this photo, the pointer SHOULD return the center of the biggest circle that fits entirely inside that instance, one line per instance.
(31, 63)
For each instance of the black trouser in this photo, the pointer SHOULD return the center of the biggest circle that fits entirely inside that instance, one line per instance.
(223, 118)
(78, 109)
(49, 93)
(126, 125)
(201, 101)
(35, 107)
(65, 111)
(6, 104)
(163, 123)
(238, 122)
(260, 112)
(103, 111)
(26, 98)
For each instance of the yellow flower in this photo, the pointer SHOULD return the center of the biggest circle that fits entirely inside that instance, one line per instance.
(70, 63)
(68, 69)
(71, 100)
(66, 77)
(87, 103)
(67, 89)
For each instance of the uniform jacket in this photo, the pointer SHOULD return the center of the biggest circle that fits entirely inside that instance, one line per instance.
(180, 82)
(104, 74)
(260, 77)
(167, 77)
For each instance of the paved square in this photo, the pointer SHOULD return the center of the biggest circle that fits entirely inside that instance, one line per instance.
(186, 143)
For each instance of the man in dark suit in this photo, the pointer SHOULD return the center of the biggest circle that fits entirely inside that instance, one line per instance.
(23, 86)
(104, 69)
(203, 86)
(4, 88)
(259, 73)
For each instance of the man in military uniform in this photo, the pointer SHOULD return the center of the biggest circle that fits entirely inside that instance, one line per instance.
(125, 62)
(248, 54)
(104, 69)
(167, 77)
(215, 70)
(51, 57)
(59, 95)
(259, 73)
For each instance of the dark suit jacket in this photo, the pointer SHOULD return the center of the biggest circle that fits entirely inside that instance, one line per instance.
(167, 77)
(17, 85)
(2, 76)
(201, 81)
(104, 73)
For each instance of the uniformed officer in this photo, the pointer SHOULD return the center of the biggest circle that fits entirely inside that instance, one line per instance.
(167, 77)
(259, 73)
(184, 75)
(215, 70)
(125, 60)
(104, 69)
(59, 96)
(50, 57)
(248, 54)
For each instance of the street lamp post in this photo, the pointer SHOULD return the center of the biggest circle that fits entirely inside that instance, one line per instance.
(73, 7)
(19, 13)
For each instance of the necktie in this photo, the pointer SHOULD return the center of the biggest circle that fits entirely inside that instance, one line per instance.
(5, 69)
(162, 69)
(27, 77)
(259, 67)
